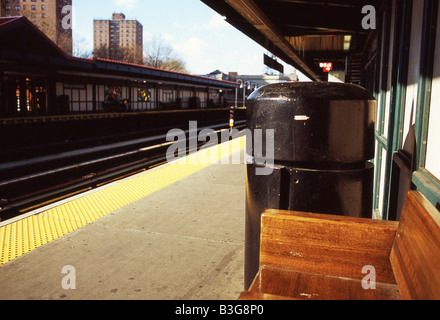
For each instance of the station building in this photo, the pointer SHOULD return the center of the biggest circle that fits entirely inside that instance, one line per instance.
(38, 78)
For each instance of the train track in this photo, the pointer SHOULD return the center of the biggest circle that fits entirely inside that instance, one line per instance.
(51, 178)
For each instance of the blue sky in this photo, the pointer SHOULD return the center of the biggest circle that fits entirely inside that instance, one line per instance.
(197, 33)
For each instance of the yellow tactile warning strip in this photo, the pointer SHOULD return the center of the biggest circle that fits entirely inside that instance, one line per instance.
(23, 236)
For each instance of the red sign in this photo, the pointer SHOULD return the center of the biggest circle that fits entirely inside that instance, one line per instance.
(326, 66)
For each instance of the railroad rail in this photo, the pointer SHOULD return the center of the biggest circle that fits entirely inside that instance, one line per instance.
(52, 177)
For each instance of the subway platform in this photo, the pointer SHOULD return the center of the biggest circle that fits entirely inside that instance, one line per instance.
(175, 232)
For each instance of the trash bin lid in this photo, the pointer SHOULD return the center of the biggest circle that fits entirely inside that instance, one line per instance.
(315, 121)
(312, 90)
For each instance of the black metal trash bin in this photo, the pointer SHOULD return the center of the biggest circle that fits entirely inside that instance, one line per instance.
(323, 139)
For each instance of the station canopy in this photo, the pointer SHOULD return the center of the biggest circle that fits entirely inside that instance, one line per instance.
(25, 49)
(304, 34)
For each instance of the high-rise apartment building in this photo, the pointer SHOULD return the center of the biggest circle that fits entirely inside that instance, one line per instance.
(47, 15)
(118, 39)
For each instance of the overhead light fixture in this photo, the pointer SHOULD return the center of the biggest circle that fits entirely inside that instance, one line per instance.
(347, 42)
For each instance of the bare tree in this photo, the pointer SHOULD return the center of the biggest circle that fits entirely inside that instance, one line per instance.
(80, 49)
(159, 54)
(102, 52)
(123, 54)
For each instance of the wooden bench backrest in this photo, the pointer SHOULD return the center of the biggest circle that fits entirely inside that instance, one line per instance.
(415, 256)
(326, 244)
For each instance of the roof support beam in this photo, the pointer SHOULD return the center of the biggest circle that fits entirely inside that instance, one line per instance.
(252, 13)
(326, 3)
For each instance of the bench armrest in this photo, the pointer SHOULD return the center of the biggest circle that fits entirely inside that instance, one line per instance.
(326, 244)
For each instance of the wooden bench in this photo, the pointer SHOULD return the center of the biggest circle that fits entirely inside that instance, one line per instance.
(315, 256)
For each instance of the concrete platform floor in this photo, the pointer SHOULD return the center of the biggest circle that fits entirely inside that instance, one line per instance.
(184, 242)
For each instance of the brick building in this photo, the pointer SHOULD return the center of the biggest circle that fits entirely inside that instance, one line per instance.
(47, 15)
(118, 39)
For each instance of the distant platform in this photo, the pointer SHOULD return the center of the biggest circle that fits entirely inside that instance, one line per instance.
(91, 115)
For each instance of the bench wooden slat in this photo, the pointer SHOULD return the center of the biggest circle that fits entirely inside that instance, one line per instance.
(328, 245)
(249, 295)
(309, 286)
(415, 255)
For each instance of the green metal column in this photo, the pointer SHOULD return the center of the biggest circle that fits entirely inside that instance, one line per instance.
(424, 181)
(397, 93)
(425, 80)
(381, 66)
